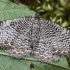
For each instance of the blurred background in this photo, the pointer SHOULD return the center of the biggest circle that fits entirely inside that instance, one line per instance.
(55, 10)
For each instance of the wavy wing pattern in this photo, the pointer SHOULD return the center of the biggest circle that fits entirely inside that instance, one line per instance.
(44, 39)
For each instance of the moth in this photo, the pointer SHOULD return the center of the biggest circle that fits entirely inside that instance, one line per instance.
(45, 40)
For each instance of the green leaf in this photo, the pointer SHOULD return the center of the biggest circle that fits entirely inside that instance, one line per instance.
(63, 3)
(10, 10)
(8, 63)
(65, 24)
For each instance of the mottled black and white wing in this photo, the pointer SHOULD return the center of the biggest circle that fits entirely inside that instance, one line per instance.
(45, 39)
(54, 42)
(15, 37)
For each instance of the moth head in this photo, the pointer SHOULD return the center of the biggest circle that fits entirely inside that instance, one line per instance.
(37, 16)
